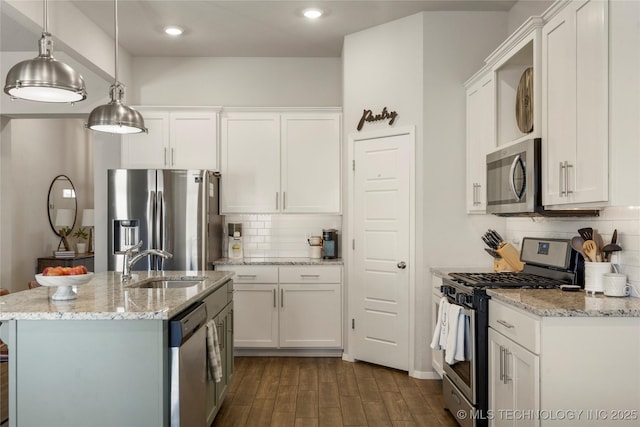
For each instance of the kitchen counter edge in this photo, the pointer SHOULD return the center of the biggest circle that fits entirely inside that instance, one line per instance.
(557, 303)
(277, 261)
(106, 298)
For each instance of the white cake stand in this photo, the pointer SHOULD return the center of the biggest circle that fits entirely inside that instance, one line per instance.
(65, 284)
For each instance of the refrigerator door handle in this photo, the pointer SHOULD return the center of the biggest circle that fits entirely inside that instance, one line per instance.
(159, 225)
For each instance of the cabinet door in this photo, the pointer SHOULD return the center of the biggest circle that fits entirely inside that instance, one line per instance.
(310, 315)
(514, 381)
(250, 163)
(147, 150)
(437, 356)
(194, 136)
(575, 105)
(311, 163)
(480, 140)
(255, 318)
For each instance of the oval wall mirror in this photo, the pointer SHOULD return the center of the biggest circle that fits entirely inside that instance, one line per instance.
(62, 204)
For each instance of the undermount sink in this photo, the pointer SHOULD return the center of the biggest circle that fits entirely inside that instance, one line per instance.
(169, 283)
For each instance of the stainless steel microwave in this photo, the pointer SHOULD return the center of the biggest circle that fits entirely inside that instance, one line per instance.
(514, 182)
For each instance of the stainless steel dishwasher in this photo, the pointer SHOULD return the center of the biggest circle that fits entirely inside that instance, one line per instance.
(187, 340)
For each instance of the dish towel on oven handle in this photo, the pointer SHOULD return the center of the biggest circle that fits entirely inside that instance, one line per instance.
(439, 339)
(458, 346)
(213, 352)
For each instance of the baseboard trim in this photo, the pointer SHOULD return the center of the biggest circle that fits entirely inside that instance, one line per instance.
(276, 352)
(425, 375)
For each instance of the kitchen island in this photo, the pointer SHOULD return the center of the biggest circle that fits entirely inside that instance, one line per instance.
(101, 359)
(563, 358)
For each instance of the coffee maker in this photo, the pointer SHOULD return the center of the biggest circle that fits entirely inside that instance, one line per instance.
(330, 243)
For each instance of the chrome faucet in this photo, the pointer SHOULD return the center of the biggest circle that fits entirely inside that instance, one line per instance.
(129, 261)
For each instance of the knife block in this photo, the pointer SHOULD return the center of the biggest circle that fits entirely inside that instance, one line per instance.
(511, 256)
(500, 265)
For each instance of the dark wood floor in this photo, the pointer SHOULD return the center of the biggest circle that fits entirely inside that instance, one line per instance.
(288, 391)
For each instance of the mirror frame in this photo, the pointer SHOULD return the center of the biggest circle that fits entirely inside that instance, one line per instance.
(75, 215)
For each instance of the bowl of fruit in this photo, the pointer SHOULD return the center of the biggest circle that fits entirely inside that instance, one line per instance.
(65, 278)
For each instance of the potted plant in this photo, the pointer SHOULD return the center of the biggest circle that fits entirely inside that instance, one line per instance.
(81, 235)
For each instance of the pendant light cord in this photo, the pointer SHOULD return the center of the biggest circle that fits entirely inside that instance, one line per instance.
(45, 18)
(115, 20)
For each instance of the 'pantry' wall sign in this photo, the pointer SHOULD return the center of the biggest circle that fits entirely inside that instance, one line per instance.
(368, 116)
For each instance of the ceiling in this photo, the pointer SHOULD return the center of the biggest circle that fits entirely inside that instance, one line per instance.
(251, 28)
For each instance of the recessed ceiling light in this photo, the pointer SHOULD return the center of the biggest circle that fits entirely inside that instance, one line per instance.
(312, 13)
(172, 30)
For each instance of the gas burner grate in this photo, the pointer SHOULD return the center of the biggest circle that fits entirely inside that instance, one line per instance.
(505, 280)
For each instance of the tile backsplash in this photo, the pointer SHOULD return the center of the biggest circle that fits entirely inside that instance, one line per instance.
(279, 235)
(625, 219)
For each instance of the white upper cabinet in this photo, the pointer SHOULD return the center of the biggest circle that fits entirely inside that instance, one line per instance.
(147, 150)
(177, 139)
(480, 138)
(575, 104)
(280, 162)
(250, 163)
(310, 163)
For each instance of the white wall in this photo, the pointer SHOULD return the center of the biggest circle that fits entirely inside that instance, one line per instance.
(34, 152)
(416, 66)
(233, 82)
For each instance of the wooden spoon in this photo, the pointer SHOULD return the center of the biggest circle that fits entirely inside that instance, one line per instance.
(590, 250)
(599, 243)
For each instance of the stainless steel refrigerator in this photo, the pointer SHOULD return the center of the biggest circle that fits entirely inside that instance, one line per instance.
(173, 210)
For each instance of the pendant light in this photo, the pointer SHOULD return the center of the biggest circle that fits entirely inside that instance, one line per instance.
(44, 78)
(116, 117)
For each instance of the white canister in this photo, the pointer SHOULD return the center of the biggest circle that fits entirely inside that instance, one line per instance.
(315, 251)
(594, 276)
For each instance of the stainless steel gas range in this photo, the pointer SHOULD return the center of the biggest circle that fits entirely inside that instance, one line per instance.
(549, 263)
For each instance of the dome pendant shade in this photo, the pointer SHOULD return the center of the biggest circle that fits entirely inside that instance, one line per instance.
(45, 79)
(116, 117)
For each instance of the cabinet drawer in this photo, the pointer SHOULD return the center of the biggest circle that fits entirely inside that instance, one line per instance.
(217, 300)
(522, 328)
(252, 274)
(311, 274)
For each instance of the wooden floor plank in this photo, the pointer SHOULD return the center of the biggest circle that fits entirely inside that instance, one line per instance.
(307, 392)
(307, 404)
(260, 413)
(376, 414)
(352, 411)
(330, 417)
(286, 399)
(396, 406)
(328, 395)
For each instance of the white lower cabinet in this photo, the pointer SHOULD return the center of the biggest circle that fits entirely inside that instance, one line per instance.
(287, 307)
(437, 356)
(563, 371)
(514, 381)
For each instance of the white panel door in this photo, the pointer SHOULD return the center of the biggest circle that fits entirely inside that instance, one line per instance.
(250, 163)
(148, 150)
(194, 136)
(311, 163)
(255, 317)
(310, 315)
(381, 254)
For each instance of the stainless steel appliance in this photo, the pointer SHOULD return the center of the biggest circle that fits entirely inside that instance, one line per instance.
(173, 210)
(188, 344)
(330, 243)
(549, 263)
(514, 182)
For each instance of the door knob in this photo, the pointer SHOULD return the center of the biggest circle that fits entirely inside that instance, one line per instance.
(402, 265)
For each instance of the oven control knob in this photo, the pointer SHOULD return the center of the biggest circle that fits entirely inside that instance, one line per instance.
(464, 299)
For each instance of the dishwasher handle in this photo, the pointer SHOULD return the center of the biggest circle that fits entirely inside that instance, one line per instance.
(185, 324)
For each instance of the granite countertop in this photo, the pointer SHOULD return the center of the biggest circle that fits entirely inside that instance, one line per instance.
(557, 303)
(277, 261)
(104, 297)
